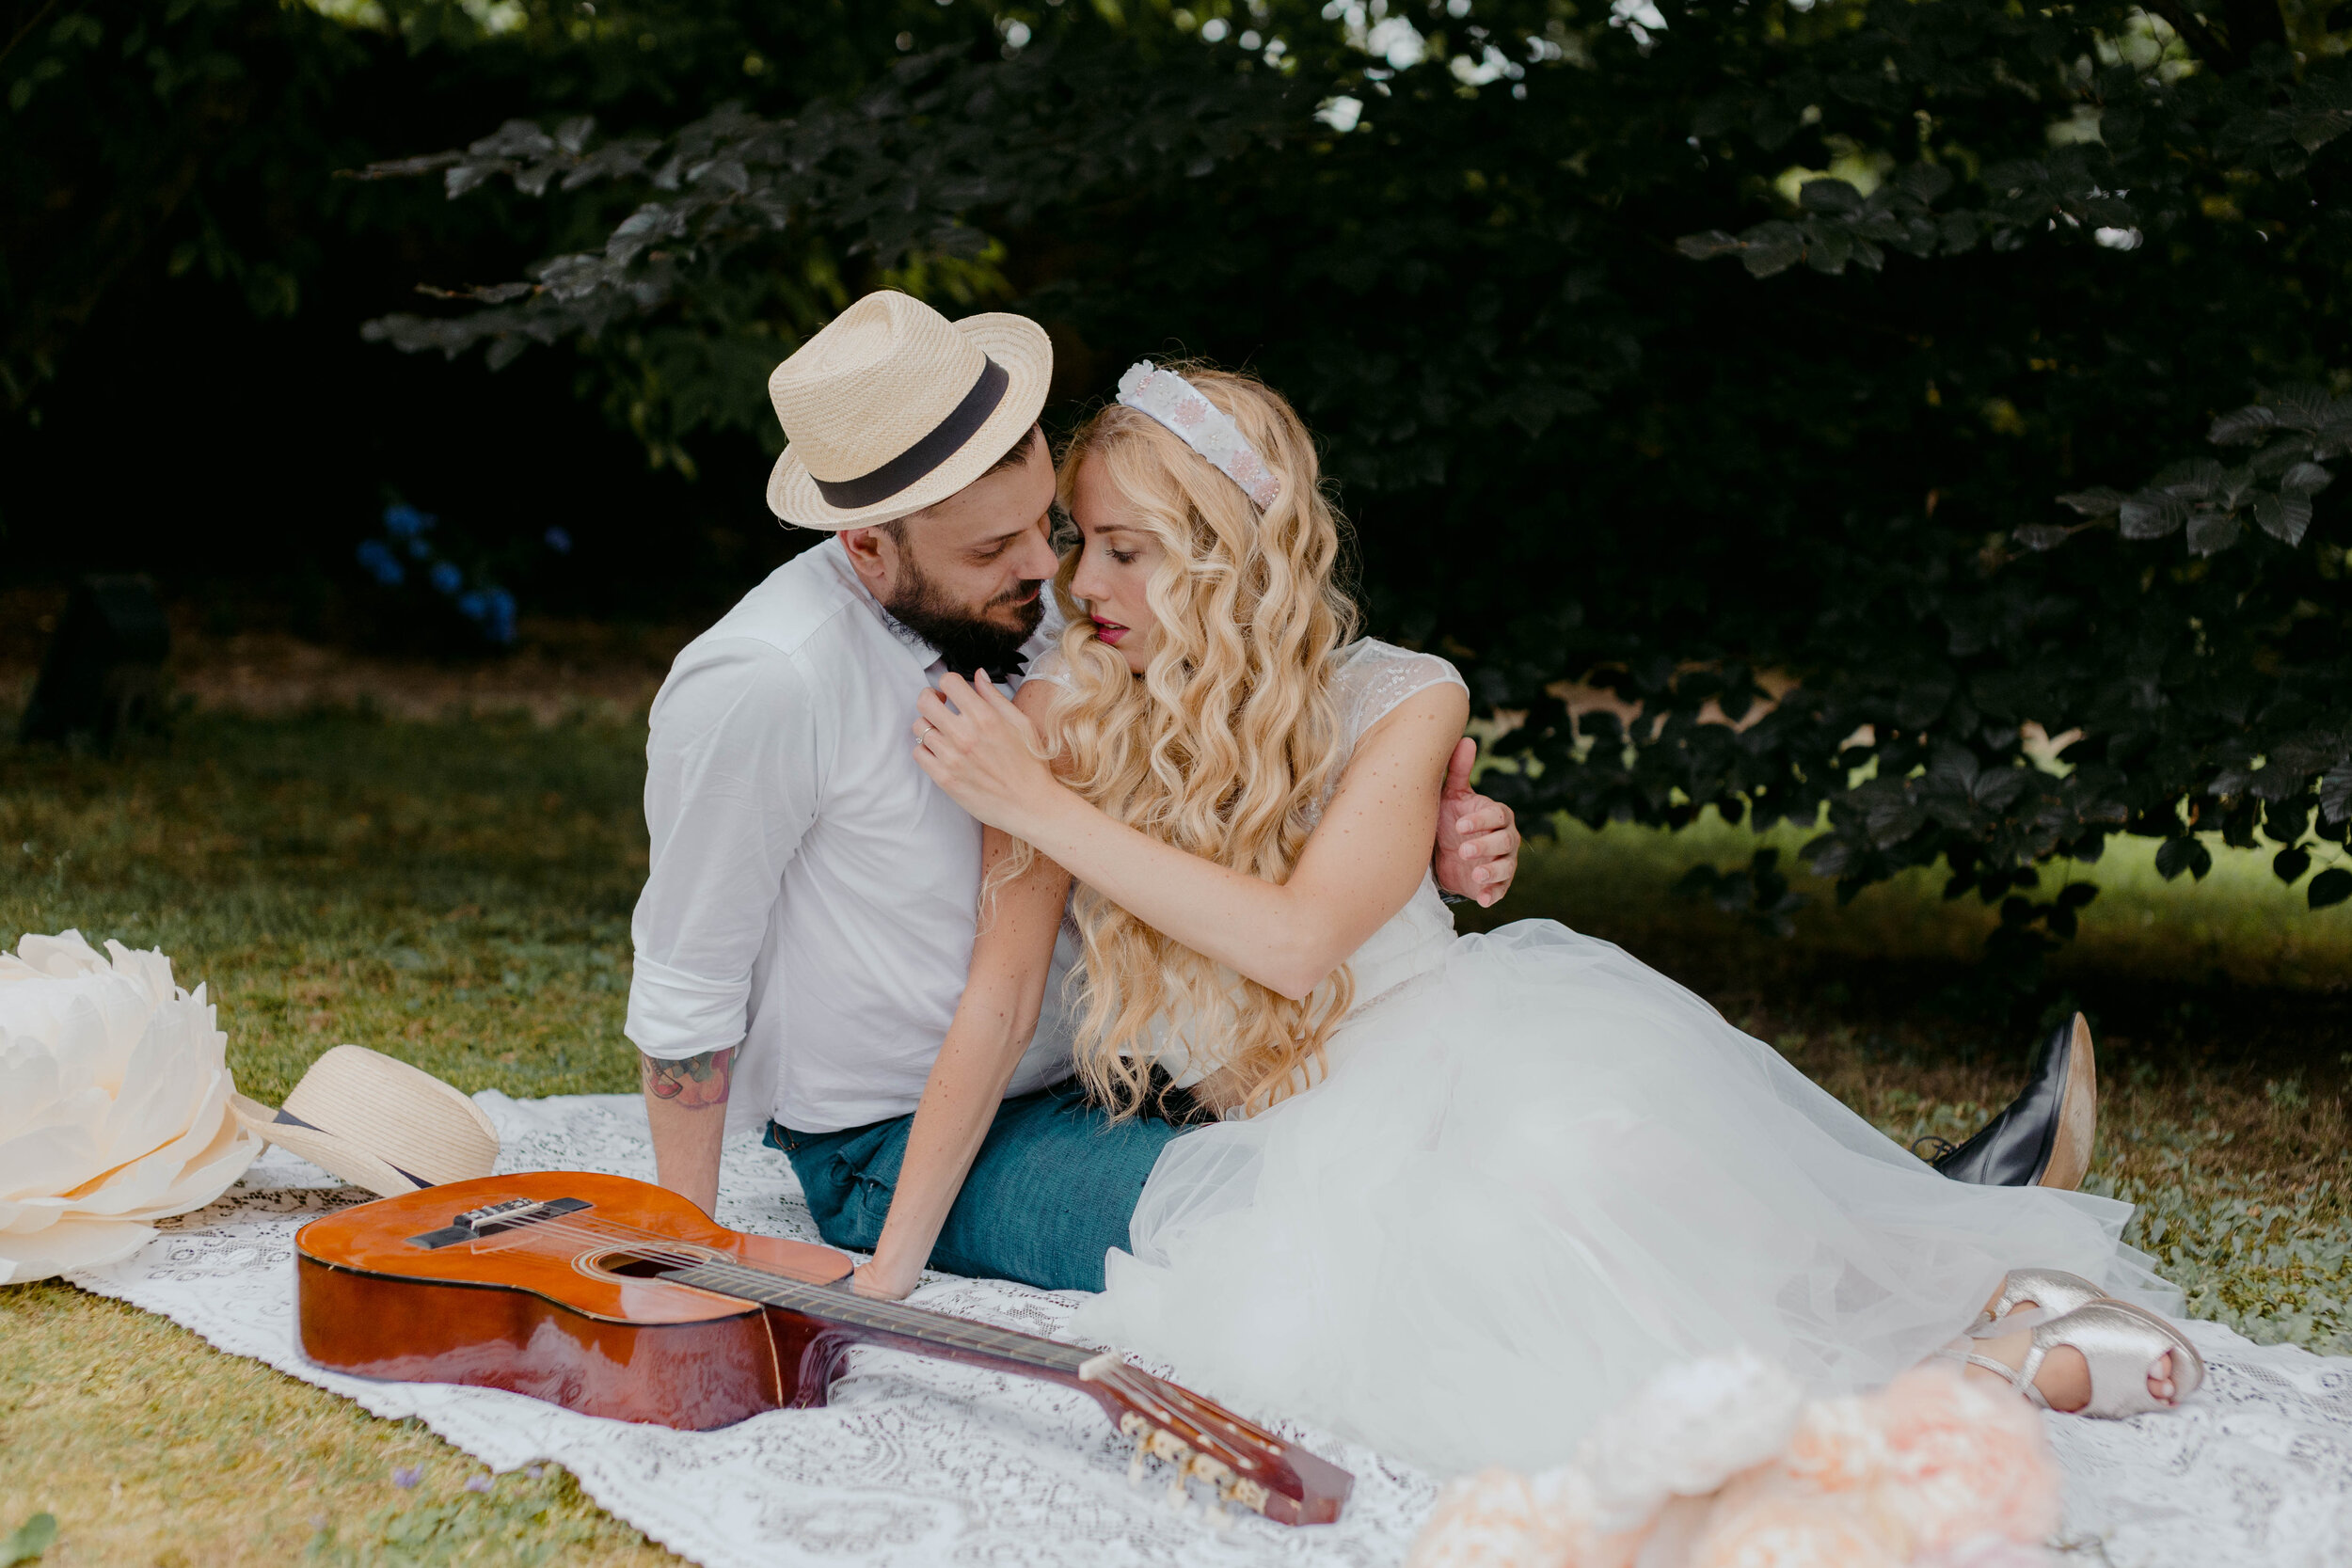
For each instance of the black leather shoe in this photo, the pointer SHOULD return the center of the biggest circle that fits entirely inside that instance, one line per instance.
(2044, 1138)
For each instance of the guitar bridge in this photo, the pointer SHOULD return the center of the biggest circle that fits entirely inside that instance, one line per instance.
(474, 1224)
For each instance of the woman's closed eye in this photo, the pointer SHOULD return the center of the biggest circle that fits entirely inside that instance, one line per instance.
(1124, 557)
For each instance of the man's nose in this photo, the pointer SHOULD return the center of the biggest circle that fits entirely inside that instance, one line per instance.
(1037, 559)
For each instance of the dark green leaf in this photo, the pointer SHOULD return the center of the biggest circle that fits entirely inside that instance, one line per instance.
(2151, 514)
(1829, 198)
(2242, 428)
(2332, 886)
(2285, 518)
(2305, 479)
(2176, 855)
(2098, 502)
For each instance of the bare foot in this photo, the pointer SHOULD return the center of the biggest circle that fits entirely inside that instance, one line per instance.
(2063, 1377)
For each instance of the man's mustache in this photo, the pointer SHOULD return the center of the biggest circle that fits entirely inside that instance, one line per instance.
(1019, 593)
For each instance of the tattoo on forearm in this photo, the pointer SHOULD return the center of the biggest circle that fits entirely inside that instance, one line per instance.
(694, 1084)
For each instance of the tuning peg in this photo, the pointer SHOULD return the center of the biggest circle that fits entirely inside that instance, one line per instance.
(1219, 1518)
(1179, 1495)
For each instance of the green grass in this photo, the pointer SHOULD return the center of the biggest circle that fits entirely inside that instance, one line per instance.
(458, 893)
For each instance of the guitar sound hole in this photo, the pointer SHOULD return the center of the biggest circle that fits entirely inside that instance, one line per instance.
(628, 1264)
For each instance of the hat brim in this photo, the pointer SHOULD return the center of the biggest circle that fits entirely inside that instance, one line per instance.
(1026, 354)
(331, 1155)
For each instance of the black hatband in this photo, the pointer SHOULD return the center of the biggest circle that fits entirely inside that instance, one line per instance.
(960, 426)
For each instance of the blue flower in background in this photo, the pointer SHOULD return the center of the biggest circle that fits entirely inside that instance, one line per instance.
(446, 577)
(500, 623)
(493, 611)
(403, 521)
(559, 540)
(382, 564)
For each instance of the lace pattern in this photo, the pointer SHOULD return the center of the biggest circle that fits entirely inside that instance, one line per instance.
(914, 1463)
(1372, 677)
(925, 1463)
(921, 1462)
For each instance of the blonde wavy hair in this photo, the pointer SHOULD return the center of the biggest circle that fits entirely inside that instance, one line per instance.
(1223, 747)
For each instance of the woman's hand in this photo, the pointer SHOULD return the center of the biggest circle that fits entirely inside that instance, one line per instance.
(983, 752)
(873, 1279)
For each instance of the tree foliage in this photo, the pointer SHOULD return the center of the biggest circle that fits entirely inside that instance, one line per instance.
(2014, 422)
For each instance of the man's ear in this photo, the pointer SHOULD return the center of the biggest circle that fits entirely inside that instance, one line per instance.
(874, 555)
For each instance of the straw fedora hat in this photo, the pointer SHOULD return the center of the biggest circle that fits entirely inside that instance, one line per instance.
(893, 407)
(377, 1123)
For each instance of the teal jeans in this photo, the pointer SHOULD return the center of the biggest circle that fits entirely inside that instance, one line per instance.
(1050, 1192)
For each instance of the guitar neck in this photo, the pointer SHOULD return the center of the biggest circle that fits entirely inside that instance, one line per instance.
(838, 1305)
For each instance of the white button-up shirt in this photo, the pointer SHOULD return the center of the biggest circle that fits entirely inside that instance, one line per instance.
(812, 893)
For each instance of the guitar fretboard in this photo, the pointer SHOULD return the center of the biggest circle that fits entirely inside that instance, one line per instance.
(839, 1304)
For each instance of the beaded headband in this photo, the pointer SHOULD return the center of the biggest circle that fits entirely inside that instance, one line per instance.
(1206, 428)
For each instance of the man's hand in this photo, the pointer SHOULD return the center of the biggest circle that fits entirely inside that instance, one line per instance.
(1478, 839)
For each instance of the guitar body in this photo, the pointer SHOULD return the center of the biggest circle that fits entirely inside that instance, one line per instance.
(619, 1298)
(550, 1322)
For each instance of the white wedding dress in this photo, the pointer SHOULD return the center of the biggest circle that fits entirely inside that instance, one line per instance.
(1536, 1173)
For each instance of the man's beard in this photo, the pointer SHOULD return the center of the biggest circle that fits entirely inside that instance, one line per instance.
(967, 641)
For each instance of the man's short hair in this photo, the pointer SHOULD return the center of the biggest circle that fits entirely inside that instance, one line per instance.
(1015, 457)
(1016, 453)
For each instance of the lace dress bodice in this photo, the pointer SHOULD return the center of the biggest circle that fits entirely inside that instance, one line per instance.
(1369, 680)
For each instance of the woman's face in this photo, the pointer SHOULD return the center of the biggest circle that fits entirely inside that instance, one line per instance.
(1117, 556)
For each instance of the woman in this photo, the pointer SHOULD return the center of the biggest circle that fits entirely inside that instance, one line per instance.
(1467, 1193)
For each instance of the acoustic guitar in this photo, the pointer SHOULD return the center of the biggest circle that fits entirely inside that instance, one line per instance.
(618, 1298)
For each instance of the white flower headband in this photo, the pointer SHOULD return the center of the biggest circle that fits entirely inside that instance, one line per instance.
(1206, 428)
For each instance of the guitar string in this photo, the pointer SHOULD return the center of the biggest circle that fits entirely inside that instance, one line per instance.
(917, 1323)
(886, 1316)
(1201, 1415)
(866, 1311)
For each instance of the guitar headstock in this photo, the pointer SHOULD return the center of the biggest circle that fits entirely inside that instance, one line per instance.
(1241, 1461)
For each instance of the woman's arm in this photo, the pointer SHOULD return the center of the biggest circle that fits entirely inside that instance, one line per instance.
(1366, 855)
(994, 1024)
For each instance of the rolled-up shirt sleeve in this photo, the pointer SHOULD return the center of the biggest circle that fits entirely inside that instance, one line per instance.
(733, 766)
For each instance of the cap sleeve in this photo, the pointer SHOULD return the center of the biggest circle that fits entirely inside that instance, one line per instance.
(1049, 667)
(1373, 677)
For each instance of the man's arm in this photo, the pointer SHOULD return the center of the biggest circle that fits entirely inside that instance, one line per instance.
(730, 789)
(1011, 957)
(686, 1108)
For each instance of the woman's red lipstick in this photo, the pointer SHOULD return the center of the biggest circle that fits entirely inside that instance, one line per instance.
(1109, 631)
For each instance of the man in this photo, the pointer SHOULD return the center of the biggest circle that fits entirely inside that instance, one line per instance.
(807, 951)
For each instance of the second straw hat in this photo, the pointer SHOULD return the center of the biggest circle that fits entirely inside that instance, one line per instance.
(893, 407)
(378, 1123)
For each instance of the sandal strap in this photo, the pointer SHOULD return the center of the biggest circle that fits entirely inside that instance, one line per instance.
(2022, 1381)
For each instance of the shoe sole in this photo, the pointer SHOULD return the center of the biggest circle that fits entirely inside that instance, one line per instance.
(2078, 1116)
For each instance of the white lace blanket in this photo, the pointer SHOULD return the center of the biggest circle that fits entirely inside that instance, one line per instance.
(920, 1462)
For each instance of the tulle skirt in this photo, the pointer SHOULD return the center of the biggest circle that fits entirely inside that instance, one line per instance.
(1535, 1174)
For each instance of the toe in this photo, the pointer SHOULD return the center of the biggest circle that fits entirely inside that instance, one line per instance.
(2160, 1378)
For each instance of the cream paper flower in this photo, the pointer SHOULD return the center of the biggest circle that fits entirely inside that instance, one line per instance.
(113, 1104)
